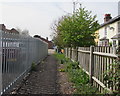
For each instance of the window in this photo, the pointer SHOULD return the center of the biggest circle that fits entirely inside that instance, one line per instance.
(114, 42)
(118, 42)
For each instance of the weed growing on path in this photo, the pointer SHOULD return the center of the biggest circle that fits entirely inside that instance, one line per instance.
(33, 67)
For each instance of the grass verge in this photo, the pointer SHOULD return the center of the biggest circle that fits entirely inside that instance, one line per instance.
(76, 75)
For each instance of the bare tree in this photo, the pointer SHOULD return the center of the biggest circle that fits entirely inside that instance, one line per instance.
(24, 32)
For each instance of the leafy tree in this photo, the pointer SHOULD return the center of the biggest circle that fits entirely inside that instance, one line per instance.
(56, 35)
(77, 29)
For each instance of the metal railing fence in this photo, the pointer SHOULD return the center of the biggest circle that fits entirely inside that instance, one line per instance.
(17, 53)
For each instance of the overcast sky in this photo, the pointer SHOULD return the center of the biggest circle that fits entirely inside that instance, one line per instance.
(38, 15)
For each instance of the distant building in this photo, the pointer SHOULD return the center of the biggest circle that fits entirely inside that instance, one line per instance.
(3, 28)
(50, 43)
(109, 31)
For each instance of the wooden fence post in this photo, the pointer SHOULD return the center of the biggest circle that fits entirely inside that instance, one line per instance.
(66, 52)
(91, 67)
(71, 53)
(67, 49)
(77, 54)
(1, 62)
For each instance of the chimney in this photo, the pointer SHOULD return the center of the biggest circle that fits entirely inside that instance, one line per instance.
(107, 17)
(2, 27)
(47, 38)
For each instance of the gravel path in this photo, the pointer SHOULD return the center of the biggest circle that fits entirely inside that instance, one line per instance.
(43, 80)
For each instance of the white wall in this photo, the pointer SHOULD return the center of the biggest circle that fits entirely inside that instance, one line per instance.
(112, 29)
(111, 32)
(119, 26)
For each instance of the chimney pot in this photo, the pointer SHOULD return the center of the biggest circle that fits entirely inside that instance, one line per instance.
(46, 38)
(107, 17)
(2, 27)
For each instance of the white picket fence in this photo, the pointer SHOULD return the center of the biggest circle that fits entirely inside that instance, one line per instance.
(17, 53)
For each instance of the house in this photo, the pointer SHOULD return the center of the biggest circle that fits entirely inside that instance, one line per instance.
(9, 46)
(50, 43)
(109, 31)
(3, 28)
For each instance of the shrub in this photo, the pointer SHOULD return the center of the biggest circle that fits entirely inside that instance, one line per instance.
(112, 78)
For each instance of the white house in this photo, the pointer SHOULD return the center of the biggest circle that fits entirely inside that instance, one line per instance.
(109, 31)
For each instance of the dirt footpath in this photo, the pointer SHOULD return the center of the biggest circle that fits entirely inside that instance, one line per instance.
(41, 81)
(46, 79)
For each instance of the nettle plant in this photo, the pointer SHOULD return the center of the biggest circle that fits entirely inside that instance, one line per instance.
(112, 76)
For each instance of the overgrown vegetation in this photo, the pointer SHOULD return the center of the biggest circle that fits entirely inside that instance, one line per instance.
(77, 76)
(112, 75)
(33, 67)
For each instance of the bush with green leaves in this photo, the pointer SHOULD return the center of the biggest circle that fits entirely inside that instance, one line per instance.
(75, 30)
(79, 78)
(111, 77)
(61, 58)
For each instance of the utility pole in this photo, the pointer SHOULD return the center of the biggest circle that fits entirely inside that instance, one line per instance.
(74, 5)
(80, 5)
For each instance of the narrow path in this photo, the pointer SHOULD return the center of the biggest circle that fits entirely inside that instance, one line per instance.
(43, 80)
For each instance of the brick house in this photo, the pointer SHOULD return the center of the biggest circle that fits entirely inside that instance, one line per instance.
(3, 28)
(50, 43)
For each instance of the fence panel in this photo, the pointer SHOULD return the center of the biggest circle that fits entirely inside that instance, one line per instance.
(18, 53)
(97, 65)
(84, 57)
(69, 52)
(102, 63)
